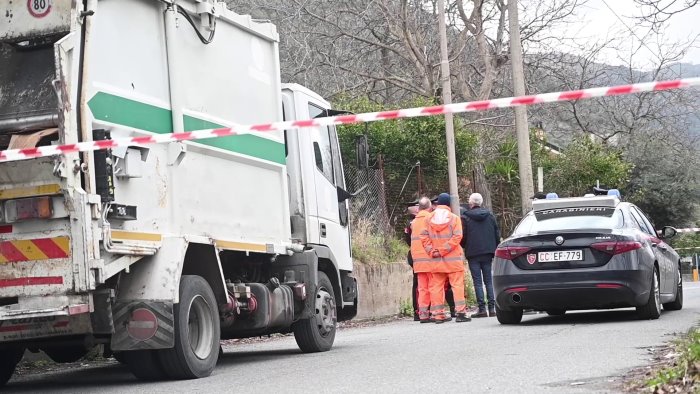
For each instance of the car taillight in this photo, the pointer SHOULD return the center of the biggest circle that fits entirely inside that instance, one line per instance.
(511, 252)
(612, 248)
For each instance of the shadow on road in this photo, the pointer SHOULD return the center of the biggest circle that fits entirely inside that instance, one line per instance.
(232, 357)
(112, 376)
(583, 317)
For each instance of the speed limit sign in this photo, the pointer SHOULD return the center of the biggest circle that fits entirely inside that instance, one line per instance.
(39, 8)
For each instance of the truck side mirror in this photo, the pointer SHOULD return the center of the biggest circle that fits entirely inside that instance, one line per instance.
(362, 150)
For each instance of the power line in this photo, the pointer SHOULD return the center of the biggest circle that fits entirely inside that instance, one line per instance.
(641, 41)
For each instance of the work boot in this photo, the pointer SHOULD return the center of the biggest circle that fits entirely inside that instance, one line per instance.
(440, 321)
(427, 321)
(462, 317)
(416, 318)
(481, 313)
(492, 312)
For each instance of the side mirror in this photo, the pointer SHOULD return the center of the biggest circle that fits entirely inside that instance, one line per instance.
(668, 232)
(345, 195)
(362, 150)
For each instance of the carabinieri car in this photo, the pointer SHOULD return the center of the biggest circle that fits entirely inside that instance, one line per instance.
(592, 252)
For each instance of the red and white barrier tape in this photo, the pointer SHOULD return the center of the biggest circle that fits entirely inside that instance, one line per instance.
(688, 230)
(42, 151)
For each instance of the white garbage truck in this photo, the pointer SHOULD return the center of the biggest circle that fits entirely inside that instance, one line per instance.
(157, 252)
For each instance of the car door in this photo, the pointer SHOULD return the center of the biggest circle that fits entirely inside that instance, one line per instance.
(660, 250)
(668, 255)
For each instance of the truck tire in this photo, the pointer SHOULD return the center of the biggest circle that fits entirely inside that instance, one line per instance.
(9, 358)
(144, 364)
(317, 333)
(197, 332)
(65, 354)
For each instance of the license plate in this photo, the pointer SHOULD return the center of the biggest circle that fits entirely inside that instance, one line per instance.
(560, 255)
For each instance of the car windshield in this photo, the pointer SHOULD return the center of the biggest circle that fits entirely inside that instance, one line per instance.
(572, 220)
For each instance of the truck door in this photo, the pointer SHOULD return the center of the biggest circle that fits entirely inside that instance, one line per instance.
(332, 216)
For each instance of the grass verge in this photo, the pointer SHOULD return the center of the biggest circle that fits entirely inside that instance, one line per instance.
(677, 369)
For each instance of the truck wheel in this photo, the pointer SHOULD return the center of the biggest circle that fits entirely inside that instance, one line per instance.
(9, 358)
(65, 354)
(144, 364)
(197, 332)
(317, 333)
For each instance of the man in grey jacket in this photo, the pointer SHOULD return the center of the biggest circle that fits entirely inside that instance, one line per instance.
(481, 238)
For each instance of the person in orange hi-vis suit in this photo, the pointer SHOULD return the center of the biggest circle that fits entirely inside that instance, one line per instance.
(422, 261)
(441, 241)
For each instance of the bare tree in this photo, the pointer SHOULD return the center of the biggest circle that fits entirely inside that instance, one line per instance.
(658, 12)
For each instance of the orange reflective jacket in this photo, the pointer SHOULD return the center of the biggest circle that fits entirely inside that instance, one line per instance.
(421, 259)
(443, 234)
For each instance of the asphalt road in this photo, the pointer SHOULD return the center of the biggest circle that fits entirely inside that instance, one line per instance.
(580, 352)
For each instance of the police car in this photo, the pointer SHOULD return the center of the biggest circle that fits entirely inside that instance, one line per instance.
(593, 252)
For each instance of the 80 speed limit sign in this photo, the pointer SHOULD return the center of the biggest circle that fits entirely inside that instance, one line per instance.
(39, 8)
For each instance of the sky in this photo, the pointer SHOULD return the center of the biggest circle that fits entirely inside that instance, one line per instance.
(598, 20)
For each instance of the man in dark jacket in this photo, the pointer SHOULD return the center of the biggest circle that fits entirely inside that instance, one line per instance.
(481, 238)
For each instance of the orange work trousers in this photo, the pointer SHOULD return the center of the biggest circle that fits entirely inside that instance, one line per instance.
(437, 293)
(424, 295)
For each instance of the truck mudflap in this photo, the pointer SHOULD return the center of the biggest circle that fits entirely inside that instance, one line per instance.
(143, 325)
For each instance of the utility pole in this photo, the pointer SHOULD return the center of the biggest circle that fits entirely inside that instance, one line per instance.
(446, 100)
(521, 129)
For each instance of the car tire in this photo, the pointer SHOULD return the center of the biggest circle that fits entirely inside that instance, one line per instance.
(509, 317)
(197, 332)
(677, 303)
(556, 312)
(317, 333)
(652, 309)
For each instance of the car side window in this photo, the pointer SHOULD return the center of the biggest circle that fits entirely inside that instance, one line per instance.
(640, 221)
(646, 221)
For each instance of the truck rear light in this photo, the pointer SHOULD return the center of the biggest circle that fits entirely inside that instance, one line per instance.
(511, 252)
(616, 247)
(28, 208)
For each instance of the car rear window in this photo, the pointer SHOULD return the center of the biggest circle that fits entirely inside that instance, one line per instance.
(570, 219)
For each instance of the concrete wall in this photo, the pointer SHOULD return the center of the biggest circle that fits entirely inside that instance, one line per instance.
(382, 287)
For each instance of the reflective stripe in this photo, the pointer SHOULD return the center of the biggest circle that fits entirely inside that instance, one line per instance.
(460, 303)
(458, 258)
(422, 260)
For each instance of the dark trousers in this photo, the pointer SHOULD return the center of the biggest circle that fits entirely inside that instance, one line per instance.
(449, 297)
(480, 268)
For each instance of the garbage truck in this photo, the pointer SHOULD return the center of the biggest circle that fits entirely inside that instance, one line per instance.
(157, 252)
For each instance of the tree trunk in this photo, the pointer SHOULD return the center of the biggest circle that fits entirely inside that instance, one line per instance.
(481, 185)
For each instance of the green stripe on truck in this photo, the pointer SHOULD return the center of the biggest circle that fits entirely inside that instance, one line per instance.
(135, 114)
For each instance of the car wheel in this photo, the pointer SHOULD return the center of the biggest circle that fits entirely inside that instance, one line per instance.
(317, 333)
(509, 317)
(556, 312)
(652, 309)
(677, 303)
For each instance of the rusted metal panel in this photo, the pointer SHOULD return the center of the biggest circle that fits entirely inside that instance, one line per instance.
(29, 19)
(25, 82)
